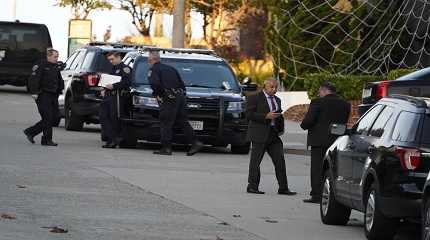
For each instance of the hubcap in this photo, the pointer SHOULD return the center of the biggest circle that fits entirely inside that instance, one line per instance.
(370, 210)
(325, 196)
(426, 232)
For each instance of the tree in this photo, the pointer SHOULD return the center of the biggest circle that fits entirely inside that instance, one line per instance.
(82, 8)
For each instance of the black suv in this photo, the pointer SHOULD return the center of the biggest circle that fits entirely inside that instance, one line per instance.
(379, 167)
(215, 102)
(21, 46)
(80, 100)
(414, 84)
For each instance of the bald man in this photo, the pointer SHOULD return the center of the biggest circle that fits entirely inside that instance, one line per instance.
(266, 124)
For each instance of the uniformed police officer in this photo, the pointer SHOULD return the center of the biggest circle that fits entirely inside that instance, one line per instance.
(48, 84)
(113, 95)
(169, 89)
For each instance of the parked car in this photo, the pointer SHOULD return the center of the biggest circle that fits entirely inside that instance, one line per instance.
(425, 214)
(379, 167)
(21, 46)
(414, 84)
(215, 100)
(81, 98)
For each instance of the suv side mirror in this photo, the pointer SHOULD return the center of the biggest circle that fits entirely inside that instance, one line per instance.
(338, 129)
(248, 86)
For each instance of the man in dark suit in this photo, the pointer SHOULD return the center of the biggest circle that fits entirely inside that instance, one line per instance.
(323, 112)
(266, 124)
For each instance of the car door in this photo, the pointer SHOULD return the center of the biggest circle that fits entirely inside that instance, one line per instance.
(366, 148)
(66, 74)
(349, 150)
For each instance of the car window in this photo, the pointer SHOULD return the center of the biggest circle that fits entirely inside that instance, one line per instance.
(70, 60)
(380, 123)
(425, 137)
(78, 60)
(365, 123)
(406, 127)
(88, 60)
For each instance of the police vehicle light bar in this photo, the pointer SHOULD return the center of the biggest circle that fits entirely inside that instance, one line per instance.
(178, 50)
(117, 45)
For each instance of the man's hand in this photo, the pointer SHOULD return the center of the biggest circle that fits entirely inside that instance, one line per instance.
(273, 115)
(103, 93)
(109, 86)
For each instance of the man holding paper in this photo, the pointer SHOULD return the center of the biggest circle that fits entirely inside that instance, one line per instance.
(114, 103)
(266, 124)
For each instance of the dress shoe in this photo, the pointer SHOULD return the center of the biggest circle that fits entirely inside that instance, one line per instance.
(30, 137)
(164, 151)
(286, 192)
(109, 145)
(196, 147)
(49, 143)
(312, 200)
(254, 191)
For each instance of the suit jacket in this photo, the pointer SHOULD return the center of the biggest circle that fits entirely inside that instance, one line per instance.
(323, 112)
(256, 110)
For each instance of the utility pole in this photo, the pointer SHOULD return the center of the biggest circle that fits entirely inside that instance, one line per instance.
(178, 31)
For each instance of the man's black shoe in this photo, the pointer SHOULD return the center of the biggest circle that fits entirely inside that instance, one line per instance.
(254, 191)
(312, 200)
(195, 148)
(49, 143)
(286, 192)
(164, 151)
(109, 145)
(30, 137)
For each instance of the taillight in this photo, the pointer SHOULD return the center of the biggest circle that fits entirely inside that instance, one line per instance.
(92, 80)
(410, 158)
(382, 90)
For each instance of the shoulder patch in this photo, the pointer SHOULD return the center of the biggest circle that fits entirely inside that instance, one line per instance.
(35, 67)
(126, 70)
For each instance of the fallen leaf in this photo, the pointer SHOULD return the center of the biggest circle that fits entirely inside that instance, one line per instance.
(21, 186)
(56, 229)
(271, 221)
(218, 238)
(8, 216)
(236, 216)
(222, 223)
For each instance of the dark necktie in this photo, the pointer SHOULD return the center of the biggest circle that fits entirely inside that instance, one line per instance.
(273, 108)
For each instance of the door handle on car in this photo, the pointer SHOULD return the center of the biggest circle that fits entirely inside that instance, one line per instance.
(371, 149)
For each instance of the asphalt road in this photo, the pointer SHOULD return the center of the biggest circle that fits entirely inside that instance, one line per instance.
(95, 193)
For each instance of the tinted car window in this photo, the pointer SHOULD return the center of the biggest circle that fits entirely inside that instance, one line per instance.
(103, 64)
(426, 130)
(406, 127)
(380, 123)
(22, 37)
(78, 60)
(88, 60)
(366, 122)
(210, 74)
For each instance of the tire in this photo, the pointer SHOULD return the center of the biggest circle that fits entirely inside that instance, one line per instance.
(332, 212)
(425, 226)
(72, 121)
(376, 225)
(240, 149)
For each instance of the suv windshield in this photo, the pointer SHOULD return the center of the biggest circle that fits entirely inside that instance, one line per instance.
(195, 73)
(17, 36)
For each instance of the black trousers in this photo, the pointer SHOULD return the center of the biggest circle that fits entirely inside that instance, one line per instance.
(173, 114)
(112, 129)
(275, 149)
(47, 105)
(317, 157)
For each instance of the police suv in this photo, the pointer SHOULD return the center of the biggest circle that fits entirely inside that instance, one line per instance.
(215, 101)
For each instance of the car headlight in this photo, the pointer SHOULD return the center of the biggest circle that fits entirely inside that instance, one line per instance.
(145, 101)
(235, 107)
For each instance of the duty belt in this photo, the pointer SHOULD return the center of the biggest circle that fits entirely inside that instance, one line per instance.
(172, 93)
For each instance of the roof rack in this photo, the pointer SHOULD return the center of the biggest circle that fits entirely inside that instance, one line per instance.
(420, 102)
(178, 50)
(116, 45)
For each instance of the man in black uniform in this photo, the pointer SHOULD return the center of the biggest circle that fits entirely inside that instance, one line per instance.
(109, 119)
(323, 112)
(169, 89)
(49, 84)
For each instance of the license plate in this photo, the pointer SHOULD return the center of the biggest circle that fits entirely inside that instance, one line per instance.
(367, 93)
(2, 54)
(197, 125)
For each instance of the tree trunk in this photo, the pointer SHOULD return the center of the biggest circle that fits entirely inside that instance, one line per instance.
(178, 24)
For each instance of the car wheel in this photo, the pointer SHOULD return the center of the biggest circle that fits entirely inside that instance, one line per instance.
(376, 225)
(332, 212)
(240, 149)
(73, 122)
(425, 226)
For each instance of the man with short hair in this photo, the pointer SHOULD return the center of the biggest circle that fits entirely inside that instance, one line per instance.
(114, 100)
(266, 124)
(169, 89)
(48, 84)
(328, 109)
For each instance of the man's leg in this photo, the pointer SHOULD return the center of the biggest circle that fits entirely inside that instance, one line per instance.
(168, 112)
(317, 155)
(36, 129)
(105, 121)
(182, 121)
(275, 149)
(47, 118)
(257, 153)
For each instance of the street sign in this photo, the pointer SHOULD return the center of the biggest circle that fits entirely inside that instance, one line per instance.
(80, 33)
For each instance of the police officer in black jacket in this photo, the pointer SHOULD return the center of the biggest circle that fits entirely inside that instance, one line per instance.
(169, 89)
(48, 84)
(323, 112)
(115, 94)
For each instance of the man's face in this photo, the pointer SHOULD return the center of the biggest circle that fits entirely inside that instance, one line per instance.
(114, 60)
(322, 92)
(53, 58)
(271, 88)
(151, 60)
